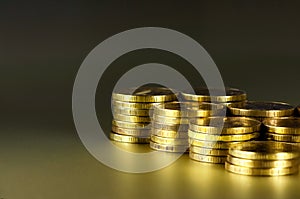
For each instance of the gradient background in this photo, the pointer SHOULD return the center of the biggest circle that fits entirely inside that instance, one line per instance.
(42, 44)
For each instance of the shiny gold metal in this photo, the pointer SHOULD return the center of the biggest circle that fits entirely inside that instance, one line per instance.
(216, 95)
(132, 132)
(169, 141)
(145, 94)
(132, 118)
(290, 126)
(210, 144)
(170, 127)
(132, 111)
(264, 150)
(169, 134)
(263, 109)
(225, 126)
(262, 163)
(207, 151)
(170, 120)
(168, 148)
(284, 138)
(208, 159)
(128, 139)
(223, 138)
(134, 105)
(261, 171)
(131, 125)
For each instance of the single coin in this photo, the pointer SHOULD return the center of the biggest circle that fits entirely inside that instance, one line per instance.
(145, 94)
(262, 163)
(263, 109)
(131, 125)
(128, 139)
(132, 118)
(260, 172)
(284, 138)
(227, 125)
(208, 159)
(207, 151)
(170, 127)
(169, 141)
(131, 111)
(235, 104)
(223, 138)
(169, 134)
(215, 95)
(210, 144)
(264, 150)
(168, 148)
(170, 120)
(134, 105)
(132, 132)
(289, 126)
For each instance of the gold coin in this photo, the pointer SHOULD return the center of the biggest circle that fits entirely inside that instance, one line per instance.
(210, 144)
(223, 138)
(264, 150)
(131, 111)
(260, 172)
(227, 125)
(207, 151)
(168, 148)
(131, 125)
(262, 163)
(284, 138)
(132, 118)
(169, 141)
(235, 104)
(283, 126)
(169, 134)
(170, 127)
(208, 159)
(263, 109)
(170, 120)
(129, 139)
(132, 132)
(216, 95)
(134, 105)
(145, 94)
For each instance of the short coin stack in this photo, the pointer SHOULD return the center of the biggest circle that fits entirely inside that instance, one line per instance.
(170, 123)
(229, 96)
(210, 138)
(131, 111)
(283, 129)
(263, 158)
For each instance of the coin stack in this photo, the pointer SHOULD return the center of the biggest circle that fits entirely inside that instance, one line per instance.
(210, 138)
(229, 96)
(283, 129)
(263, 158)
(171, 120)
(132, 112)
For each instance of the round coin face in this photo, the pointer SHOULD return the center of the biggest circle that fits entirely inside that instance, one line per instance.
(263, 109)
(283, 126)
(145, 94)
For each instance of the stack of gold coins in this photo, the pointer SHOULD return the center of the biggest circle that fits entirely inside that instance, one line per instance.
(231, 96)
(131, 112)
(171, 120)
(263, 158)
(210, 138)
(283, 129)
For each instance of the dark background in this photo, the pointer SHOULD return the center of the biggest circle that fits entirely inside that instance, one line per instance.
(255, 44)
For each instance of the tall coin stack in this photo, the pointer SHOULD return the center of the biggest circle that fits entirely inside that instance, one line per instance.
(232, 96)
(132, 115)
(283, 129)
(263, 158)
(171, 121)
(210, 138)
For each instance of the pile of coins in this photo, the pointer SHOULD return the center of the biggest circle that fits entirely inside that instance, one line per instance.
(229, 96)
(283, 129)
(263, 158)
(171, 122)
(132, 112)
(210, 138)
